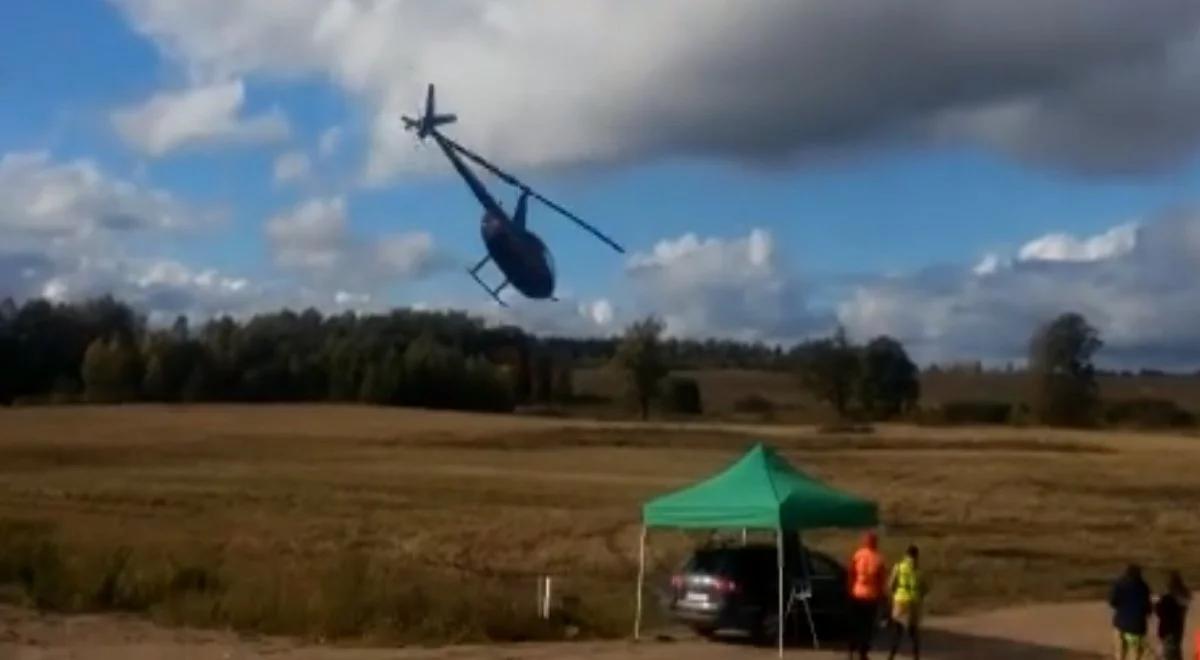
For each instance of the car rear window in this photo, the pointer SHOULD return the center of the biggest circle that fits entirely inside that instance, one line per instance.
(730, 561)
(741, 562)
(709, 562)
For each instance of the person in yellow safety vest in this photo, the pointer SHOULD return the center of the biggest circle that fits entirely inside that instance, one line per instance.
(908, 590)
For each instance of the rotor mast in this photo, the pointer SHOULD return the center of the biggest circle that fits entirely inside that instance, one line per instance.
(525, 188)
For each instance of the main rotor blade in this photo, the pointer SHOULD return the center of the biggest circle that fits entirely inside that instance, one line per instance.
(579, 221)
(514, 181)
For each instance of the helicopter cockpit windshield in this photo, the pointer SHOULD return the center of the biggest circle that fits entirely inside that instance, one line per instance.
(549, 261)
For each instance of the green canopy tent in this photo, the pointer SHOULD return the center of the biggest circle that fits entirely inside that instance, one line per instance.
(760, 491)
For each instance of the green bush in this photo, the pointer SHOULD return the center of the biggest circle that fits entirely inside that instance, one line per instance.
(1147, 413)
(486, 387)
(754, 404)
(1021, 415)
(31, 562)
(434, 375)
(683, 396)
(976, 412)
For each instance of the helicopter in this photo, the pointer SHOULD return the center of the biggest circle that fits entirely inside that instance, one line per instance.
(519, 253)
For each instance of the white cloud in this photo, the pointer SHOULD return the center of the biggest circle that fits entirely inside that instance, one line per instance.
(162, 288)
(990, 263)
(722, 287)
(292, 166)
(1106, 85)
(568, 317)
(314, 238)
(331, 140)
(1140, 287)
(43, 198)
(405, 255)
(170, 287)
(350, 299)
(599, 311)
(1065, 247)
(311, 237)
(55, 290)
(67, 229)
(207, 114)
(72, 230)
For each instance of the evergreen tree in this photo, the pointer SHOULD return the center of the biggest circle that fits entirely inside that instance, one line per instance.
(564, 384)
(154, 384)
(111, 371)
(198, 384)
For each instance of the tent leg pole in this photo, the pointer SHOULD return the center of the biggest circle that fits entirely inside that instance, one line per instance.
(805, 563)
(782, 621)
(743, 536)
(637, 621)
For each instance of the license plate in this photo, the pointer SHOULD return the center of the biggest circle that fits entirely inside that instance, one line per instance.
(696, 597)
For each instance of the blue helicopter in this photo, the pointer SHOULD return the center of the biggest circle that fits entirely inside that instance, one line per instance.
(519, 253)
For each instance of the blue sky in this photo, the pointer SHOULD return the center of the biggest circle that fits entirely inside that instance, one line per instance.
(861, 180)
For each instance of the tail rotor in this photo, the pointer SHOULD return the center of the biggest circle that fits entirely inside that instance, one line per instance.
(427, 120)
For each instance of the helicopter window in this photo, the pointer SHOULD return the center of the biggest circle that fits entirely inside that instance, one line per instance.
(549, 260)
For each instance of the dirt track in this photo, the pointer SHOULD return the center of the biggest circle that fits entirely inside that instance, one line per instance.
(1043, 632)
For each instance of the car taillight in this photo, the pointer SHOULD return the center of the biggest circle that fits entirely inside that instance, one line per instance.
(725, 586)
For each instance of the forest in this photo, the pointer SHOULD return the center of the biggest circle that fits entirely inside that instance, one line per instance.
(102, 350)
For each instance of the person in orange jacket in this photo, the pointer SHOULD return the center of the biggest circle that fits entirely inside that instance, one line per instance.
(867, 577)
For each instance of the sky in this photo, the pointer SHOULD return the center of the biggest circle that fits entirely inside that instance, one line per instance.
(951, 174)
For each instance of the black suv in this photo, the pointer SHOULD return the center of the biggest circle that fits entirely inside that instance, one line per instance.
(735, 589)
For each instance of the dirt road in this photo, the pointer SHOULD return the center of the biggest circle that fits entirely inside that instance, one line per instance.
(1042, 632)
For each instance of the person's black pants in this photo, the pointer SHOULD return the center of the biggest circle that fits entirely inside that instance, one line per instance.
(1172, 647)
(899, 628)
(863, 616)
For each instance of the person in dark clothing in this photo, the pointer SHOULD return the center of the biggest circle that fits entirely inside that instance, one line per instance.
(1131, 603)
(1171, 611)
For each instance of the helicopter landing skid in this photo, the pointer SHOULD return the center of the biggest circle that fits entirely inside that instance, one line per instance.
(494, 293)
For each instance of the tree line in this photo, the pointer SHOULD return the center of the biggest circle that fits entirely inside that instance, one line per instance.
(102, 351)
(876, 380)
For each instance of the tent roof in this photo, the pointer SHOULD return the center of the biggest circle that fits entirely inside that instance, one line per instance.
(760, 491)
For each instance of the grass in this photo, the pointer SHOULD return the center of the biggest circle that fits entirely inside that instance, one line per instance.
(400, 526)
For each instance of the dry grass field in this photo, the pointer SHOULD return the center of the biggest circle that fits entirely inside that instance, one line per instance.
(403, 525)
